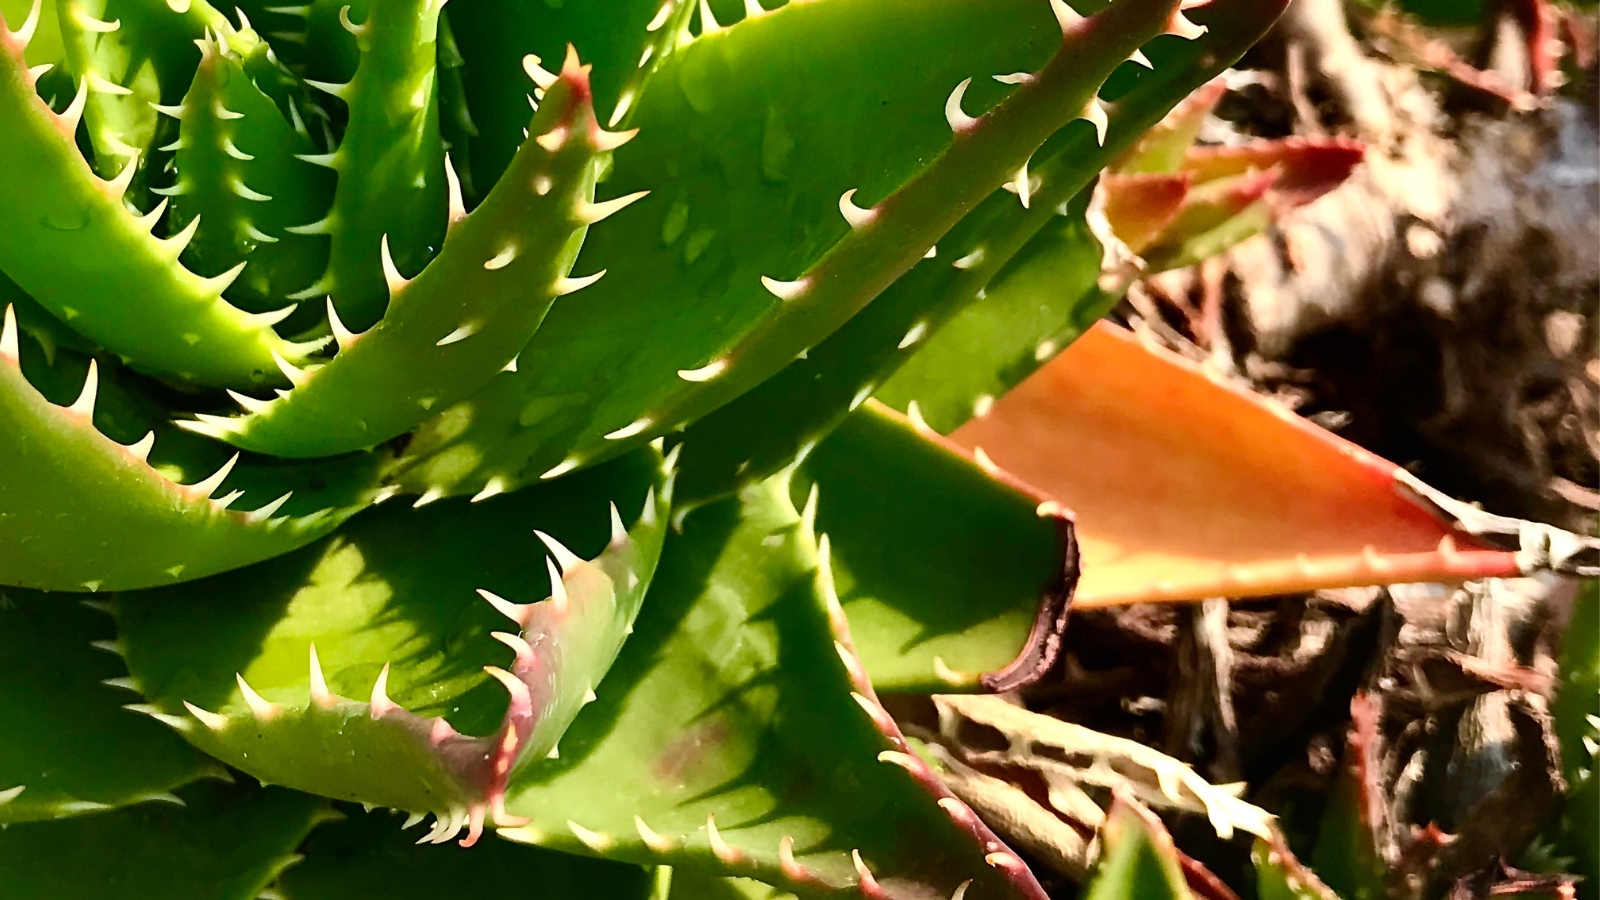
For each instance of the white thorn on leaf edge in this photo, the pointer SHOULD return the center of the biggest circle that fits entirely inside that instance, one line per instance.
(84, 405)
(706, 372)
(594, 840)
(785, 290)
(206, 487)
(720, 848)
(391, 273)
(565, 557)
(655, 841)
(342, 336)
(213, 721)
(320, 695)
(636, 427)
(857, 216)
(260, 707)
(516, 612)
(380, 703)
(493, 487)
(959, 121)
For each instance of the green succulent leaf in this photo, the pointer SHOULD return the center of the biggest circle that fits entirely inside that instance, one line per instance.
(1138, 860)
(1039, 303)
(133, 55)
(691, 884)
(1577, 715)
(240, 179)
(953, 577)
(466, 316)
(1048, 293)
(737, 733)
(124, 289)
(63, 696)
(935, 315)
(747, 126)
(87, 513)
(625, 40)
(387, 610)
(364, 857)
(390, 161)
(223, 842)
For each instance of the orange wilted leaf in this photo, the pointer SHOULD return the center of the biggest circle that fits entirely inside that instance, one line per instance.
(1187, 486)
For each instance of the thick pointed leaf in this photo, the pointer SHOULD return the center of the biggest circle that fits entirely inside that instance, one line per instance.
(953, 576)
(124, 289)
(935, 304)
(718, 281)
(366, 857)
(61, 700)
(738, 733)
(464, 317)
(262, 667)
(390, 161)
(692, 884)
(240, 175)
(1186, 486)
(224, 842)
(84, 512)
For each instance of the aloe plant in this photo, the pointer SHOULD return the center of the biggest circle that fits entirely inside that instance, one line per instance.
(363, 364)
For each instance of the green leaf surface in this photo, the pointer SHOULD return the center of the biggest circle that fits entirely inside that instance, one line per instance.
(691, 884)
(1043, 299)
(387, 609)
(85, 512)
(953, 578)
(226, 842)
(133, 54)
(726, 737)
(745, 138)
(124, 288)
(1048, 296)
(493, 36)
(238, 173)
(1137, 859)
(390, 161)
(935, 312)
(61, 700)
(465, 317)
(367, 857)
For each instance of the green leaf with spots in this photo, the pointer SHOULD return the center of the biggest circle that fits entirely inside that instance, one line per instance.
(390, 161)
(466, 316)
(124, 289)
(366, 857)
(953, 577)
(239, 176)
(1047, 294)
(747, 126)
(90, 513)
(387, 612)
(1137, 858)
(738, 734)
(937, 304)
(1043, 299)
(225, 842)
(62, 700)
